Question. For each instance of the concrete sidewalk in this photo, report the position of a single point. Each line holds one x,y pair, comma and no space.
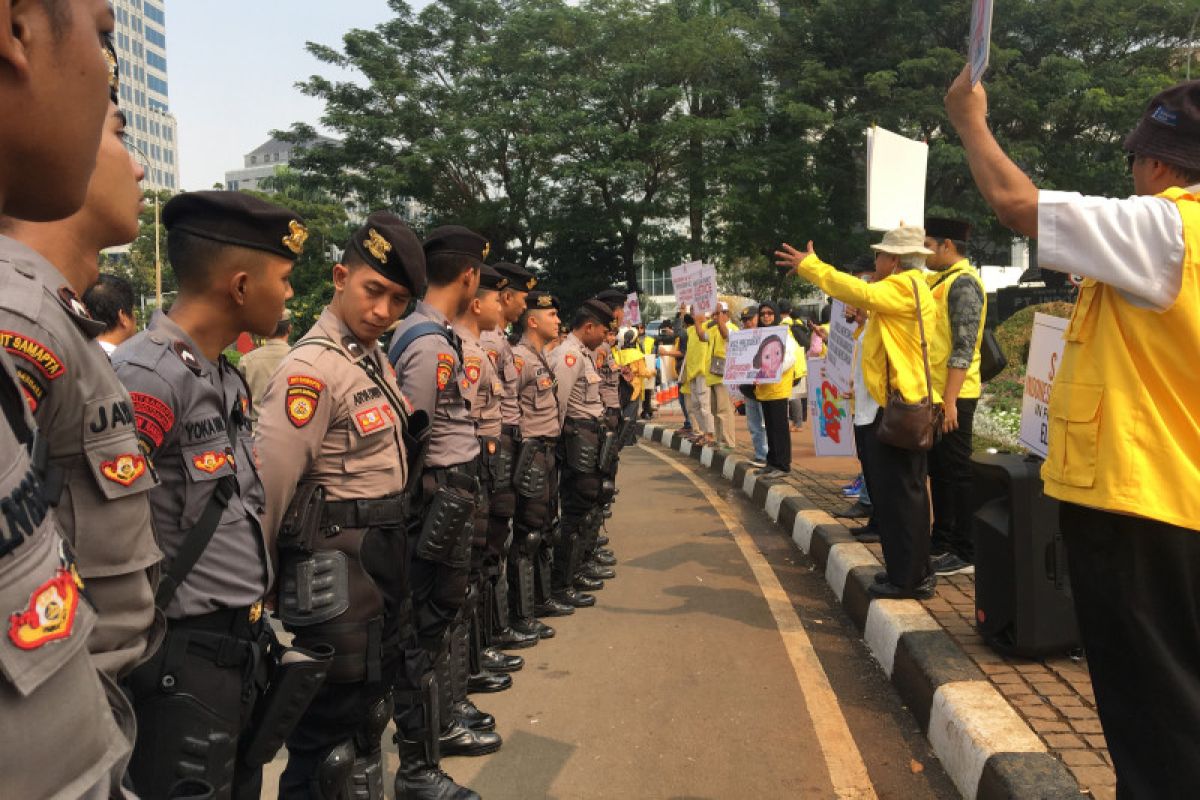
1050,701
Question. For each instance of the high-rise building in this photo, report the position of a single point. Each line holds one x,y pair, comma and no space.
141,39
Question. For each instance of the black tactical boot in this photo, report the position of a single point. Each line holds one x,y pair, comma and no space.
509,639
488,682
555,608
494,660
604,558
586,584
467,713
575,598
459,740
420,777
593,570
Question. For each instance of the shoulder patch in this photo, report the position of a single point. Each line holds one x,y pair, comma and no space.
71,301
570,359
471,366
303,394
445,368
494,356
371,419
124,469
50,615
519,363
600,359
23,347
187,356
210,461
154,418
33,386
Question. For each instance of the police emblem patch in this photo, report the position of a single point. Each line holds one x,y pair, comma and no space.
491,448
471,366
255,613
154,418
369,420
47,362
297,236
570,359
519,363
303,395
210,461
378,246
545,383
445,368
124,469
494,356
50,615
600,360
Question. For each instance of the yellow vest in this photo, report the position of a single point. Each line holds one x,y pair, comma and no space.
782,389
1125,408
893,335
940,335
647,345
716,349
696,359
631,357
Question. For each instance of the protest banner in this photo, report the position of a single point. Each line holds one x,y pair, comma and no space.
980,50
895,180
839,353
755,355
829,410
696,285
1045,355
633,310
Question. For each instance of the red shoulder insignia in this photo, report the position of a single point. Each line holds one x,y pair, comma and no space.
300,401
445,368
50,615
47,362
369,420
210,461
570,359
471,366
519,363
600,360
124,469
154,417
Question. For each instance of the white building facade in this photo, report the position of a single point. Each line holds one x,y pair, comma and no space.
141,41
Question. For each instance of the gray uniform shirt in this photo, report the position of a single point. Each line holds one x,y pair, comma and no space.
480,385
87,417
501,353
430,372
610,376
578,381
185,406
536,392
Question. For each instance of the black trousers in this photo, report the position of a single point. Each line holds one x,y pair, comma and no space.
897,481
646,405
860,434
950,486
779,436
1136,584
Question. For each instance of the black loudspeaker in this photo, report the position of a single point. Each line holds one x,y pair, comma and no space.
1023,600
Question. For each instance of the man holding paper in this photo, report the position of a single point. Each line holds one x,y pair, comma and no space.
1124,450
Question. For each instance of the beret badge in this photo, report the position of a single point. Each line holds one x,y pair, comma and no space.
545,301
297,236
377,246
487,248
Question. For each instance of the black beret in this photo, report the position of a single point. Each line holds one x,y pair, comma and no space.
943,228
114,68
519,278
490,279
599,311
457,240
387,245
615,298
538,300
239,219
1170,127
749,311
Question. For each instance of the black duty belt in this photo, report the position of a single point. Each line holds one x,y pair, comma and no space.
365,512
469,469
585,424
511,431
242,622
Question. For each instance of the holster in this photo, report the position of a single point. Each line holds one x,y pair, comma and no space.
530,472
582,449
300,523
445,536
610,446
416,445
296,676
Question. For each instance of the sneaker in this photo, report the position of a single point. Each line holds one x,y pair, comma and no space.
950,564
853,489
772,474
856,511
757,462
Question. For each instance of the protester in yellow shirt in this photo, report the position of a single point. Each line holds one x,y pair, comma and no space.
719,328
892,360
773,397
635,373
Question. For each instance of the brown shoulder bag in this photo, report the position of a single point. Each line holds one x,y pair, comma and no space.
911,426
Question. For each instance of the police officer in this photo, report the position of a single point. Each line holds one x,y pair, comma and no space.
503,498
100,478
427,356
58,736
583,432
331,437
535,474
232,254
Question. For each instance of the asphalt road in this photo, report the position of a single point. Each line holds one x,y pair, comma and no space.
716,666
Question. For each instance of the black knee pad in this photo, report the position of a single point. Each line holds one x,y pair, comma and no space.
332,778
177,736
502,502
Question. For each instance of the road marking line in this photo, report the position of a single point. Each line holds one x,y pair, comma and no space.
847,772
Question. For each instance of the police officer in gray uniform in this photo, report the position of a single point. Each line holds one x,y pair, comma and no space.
536,470
334,436
427,356
583,433
58,738
232,254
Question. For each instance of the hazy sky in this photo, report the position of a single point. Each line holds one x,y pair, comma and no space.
232,66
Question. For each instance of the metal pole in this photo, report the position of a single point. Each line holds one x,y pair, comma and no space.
157,257
1192,41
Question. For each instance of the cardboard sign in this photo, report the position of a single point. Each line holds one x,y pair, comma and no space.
696,285
981,38
755,355
1045,356
895,180
839,352
633,310
829,413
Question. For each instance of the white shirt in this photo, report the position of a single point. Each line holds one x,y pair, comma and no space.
1133,244
865,407
108,347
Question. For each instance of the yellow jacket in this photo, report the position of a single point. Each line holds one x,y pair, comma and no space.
893,335
940,339
635,359
716,349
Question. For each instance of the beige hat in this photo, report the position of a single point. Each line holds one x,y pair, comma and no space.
907,240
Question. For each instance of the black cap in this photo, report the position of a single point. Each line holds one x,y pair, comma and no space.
749,311
600,312
114,68
491,280
615,298
519,278
239,219
944,228
387,245
537,300
457,240
1170,127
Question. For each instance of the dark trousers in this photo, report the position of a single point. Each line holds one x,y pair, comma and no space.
860,435
779,436
1136,584
646,405
898,492
950,486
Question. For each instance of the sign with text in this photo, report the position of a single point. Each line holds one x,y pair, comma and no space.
829,412
696,285
633,310
1045,357
980,49
839,352
755,355
895,180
